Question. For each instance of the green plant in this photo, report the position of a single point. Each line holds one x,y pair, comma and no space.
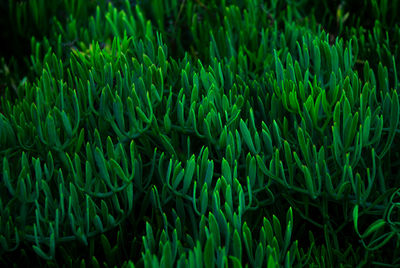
180,133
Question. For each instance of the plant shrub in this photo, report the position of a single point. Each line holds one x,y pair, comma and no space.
163,133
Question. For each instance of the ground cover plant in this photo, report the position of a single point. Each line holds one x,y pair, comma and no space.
192,133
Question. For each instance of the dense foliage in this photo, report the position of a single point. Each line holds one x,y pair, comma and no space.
162,133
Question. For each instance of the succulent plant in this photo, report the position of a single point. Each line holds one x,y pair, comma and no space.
165,133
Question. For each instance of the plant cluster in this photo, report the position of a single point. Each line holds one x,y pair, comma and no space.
163,133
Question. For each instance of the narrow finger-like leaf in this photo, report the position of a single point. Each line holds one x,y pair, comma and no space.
247,136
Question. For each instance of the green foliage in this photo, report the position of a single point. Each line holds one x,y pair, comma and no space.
163,133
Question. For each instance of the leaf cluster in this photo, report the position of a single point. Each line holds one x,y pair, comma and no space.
166,133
